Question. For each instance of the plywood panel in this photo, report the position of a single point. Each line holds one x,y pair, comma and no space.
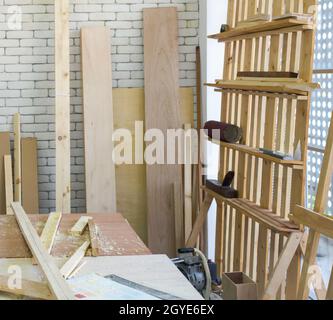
98,119
4,150
128,107
162,112
30,197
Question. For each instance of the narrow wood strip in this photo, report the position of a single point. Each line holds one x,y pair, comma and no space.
80,226
4,150
17,158
8,183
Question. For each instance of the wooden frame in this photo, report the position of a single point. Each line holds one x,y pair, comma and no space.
276,120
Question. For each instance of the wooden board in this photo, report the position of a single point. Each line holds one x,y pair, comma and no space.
116,237
162,112
154,271
9,183
98,119
129,107
62,109
30,196
4,150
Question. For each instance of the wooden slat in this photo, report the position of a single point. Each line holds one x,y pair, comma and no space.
9,183
329,295
161,94
50,230
179,216
4,150
56,282
188,146
98,120
30,196
17,158
80,225
62,109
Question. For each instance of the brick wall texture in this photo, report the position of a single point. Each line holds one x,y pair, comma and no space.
27,71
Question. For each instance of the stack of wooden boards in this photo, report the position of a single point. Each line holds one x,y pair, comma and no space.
18,173
150,196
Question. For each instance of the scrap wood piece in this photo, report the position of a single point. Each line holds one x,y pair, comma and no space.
281,268
162,111
98,119
93,238
74,260
17,157
30,196
8,183
56,282
62,108
80,225
50,230
179,215
30,289
4,150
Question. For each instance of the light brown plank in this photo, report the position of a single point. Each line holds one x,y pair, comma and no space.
4,150
98,119
17,158
9,183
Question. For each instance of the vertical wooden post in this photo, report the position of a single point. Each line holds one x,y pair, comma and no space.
9,184
17,158
62,109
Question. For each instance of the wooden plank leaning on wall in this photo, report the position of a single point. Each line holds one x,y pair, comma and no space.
30,196
62,109
162,111
4,150
98,119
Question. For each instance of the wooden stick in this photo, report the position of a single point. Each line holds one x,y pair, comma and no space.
80,225
329,295
281,268
50,230
74,260
8,183
179,215
187,182
17,158
200,221
31,289
56,282
62,111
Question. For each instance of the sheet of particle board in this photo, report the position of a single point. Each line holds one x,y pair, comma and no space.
153,271
129,107
98,119
115,236
4,150
30,196
162,109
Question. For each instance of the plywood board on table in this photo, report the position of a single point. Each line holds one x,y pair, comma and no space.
115,236
162,111
129,107
98,119
4,150
30,196
154,271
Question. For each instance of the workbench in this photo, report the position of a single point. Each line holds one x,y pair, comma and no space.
121,252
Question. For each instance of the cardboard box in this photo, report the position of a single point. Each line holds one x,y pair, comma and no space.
238,286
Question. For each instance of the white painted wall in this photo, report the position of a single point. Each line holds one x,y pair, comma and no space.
212,14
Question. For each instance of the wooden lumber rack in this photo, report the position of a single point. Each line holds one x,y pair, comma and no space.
253,233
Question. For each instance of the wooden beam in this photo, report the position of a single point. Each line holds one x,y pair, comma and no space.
329,295
62,110
281,268
98,126
318,222
4,150
74,260
187,181
80,225
17,158
179,215
200,221
30,289
56,282
9,183
30,195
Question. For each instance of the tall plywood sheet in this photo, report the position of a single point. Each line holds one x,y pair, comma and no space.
30,197
129,107
162,112
4,150
98,120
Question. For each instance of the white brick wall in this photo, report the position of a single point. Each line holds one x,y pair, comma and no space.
27,72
